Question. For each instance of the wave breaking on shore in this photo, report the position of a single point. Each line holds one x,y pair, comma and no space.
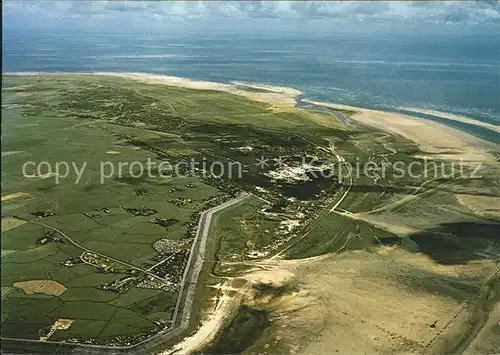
437,140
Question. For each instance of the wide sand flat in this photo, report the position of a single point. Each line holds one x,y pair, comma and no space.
488,339
358,302
273,88
451,116
276,95
438,141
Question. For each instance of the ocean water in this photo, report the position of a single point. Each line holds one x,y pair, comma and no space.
458,74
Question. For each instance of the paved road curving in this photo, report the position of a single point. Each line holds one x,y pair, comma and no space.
183,308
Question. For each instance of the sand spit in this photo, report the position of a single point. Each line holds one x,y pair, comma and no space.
226,307
451,116
278,89
438,141
275,95
214,321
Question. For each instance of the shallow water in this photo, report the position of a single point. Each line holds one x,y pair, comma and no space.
445,73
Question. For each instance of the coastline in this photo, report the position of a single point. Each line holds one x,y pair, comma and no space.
452,116
274,95
437,140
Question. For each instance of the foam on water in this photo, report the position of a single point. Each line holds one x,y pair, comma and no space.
439,73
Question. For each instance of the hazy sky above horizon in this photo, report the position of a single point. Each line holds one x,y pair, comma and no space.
273,16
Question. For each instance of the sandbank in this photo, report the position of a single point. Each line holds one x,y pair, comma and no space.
276,95
435,140
454,117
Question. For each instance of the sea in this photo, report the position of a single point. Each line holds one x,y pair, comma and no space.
449,73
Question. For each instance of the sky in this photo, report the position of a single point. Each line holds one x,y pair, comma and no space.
245,15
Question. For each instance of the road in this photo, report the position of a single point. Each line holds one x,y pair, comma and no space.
413,197
340,160
195,262
79,246
185,299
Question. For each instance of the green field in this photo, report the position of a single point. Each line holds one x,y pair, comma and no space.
102,238
88,120
51,134
336,233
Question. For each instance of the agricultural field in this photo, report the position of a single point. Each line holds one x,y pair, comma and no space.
99,252
96,250
78,250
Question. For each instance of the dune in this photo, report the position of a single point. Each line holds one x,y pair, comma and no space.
276,95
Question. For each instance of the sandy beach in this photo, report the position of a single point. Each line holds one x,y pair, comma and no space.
451,116
225,306
275,95
345,300
438,141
